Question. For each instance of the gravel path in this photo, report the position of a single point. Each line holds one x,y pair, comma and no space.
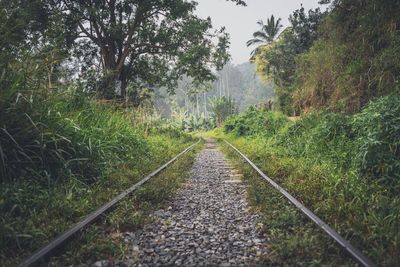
206,223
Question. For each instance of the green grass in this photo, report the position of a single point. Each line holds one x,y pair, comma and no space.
294,238
53,210
62,156
105,240
342,167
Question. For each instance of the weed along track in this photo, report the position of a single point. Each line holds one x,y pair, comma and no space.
49,248
207,222
357,255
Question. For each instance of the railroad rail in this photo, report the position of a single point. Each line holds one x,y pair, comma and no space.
50,247
354,252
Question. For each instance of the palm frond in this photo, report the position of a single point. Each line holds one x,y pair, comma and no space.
254,41
260,35
266,35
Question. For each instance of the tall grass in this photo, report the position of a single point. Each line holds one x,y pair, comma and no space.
59,155
343,167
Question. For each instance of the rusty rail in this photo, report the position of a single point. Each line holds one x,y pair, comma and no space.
50,247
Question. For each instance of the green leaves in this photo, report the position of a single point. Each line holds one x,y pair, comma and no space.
266,35
378,136
132,37
222,108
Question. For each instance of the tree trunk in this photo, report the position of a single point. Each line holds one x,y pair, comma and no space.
197,105
205,105
227,84
220,86
123,77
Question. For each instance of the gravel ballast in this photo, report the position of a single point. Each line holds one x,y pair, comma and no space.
206,223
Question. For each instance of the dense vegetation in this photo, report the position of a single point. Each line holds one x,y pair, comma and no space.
344,167
193,104
75,125
341,58
64,155
339,70
79,81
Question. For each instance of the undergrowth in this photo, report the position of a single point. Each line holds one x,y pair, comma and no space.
63,155
345,168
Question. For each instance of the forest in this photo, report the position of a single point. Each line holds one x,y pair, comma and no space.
94,95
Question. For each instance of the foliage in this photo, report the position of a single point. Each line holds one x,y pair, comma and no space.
352,64
277,61
340,59
142,43
239,82
266,35
58,153
222,108
377,128
342,167
47,141
20,23
255,122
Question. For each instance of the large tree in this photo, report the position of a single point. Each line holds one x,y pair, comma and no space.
136,41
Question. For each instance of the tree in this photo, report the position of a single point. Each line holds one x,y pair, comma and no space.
20,23
277,62
356,58
222,108
136,41
267,34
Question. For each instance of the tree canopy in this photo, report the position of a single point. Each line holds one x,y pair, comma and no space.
277,62
341,58
130,44
152,42
266,35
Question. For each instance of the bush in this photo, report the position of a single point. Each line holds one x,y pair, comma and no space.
255,122
62,155
52,137
377,128
343,167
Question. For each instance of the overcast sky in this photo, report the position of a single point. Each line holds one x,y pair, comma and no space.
241,22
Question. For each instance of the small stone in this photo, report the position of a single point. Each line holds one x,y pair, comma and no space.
102,263
149,250
207,223
129,262
256,240
159,213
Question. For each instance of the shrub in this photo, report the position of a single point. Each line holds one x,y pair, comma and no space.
256,122
377,128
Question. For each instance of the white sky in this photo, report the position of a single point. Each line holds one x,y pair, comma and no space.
241,22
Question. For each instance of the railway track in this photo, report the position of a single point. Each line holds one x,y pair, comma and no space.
216,162
68,234
356,254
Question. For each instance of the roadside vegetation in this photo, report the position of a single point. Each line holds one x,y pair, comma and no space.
76,130
64,155
337,72
343,167
79,121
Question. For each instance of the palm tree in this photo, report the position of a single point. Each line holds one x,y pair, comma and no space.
266,35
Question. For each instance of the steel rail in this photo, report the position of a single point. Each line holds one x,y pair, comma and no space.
46,249
354,252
